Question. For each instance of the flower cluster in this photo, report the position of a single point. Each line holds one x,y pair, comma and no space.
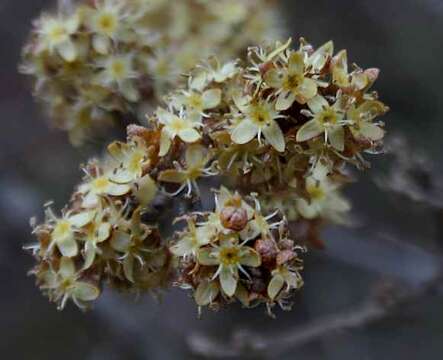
283,125
100,237
108,58
279,129
236,253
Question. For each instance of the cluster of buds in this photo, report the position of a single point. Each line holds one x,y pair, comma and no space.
106,60
236,253
281,127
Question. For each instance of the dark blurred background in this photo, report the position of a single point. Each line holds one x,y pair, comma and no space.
396,239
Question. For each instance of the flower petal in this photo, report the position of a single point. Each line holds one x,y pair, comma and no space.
250,257
317,104
206,257
318,59
195,155
129,91
189,135
206,292
274,136
145,191
211,98
85,292
103,232
183,247
81,219
89,254
165,143
309,130
285,100
371,131
120,241
244,132
66,268
228,282
117,189
275,285
296,64
307,89
273,78
172,176
68,246
337,137
128,267
67,50
101,44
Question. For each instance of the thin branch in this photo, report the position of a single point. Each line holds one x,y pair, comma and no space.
246,344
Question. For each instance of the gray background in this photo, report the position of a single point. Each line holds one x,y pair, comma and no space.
402,37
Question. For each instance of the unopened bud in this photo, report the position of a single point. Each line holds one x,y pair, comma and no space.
234,218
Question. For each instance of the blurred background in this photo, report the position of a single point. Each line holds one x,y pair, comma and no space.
391,255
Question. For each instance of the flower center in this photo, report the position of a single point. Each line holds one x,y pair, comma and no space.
177,124
107,23
135,162
100,184
260,115
229,256
328,117
118,70
62,229
57,33
195,101
316,192
292,82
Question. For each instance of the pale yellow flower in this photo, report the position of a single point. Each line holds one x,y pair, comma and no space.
327,120
324,200
258,117
65,231
105,21
183,125
196,159
362,116
64,284
56,35
193,239
117,71
230,256
96,232
281,276
100,185
291,82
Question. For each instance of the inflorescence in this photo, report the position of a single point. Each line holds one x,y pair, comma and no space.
278,129
106,60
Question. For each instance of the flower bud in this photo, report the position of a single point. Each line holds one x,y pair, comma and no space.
234,218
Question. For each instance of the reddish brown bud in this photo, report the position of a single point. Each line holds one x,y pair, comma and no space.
234,218
286,244
267,250
285,256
